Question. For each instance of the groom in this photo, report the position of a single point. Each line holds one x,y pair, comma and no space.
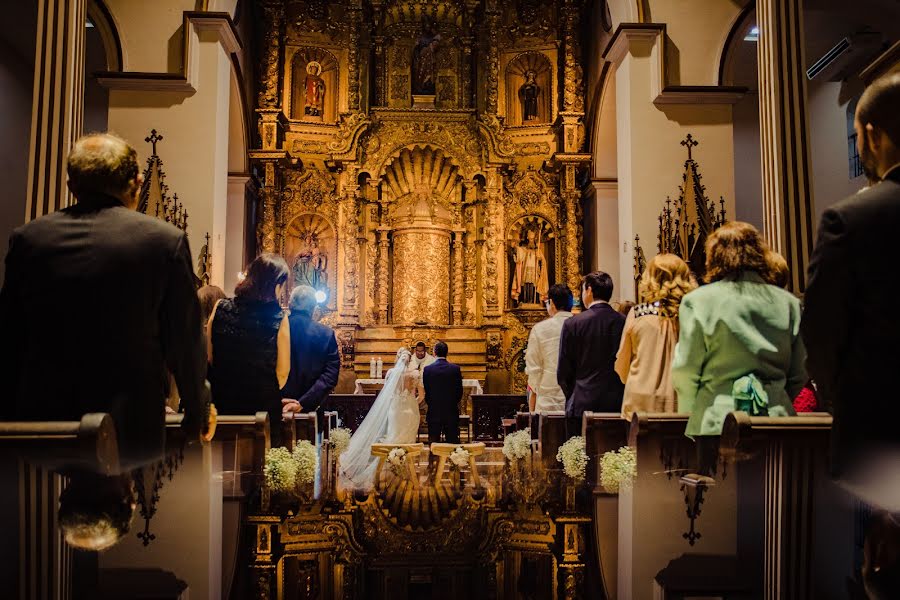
443,391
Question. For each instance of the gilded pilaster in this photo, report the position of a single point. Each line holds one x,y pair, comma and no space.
380,71
269,72
784,135
572,202
492,63
351,245
354,15
267,222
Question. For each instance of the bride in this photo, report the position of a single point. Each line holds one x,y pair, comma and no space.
393,419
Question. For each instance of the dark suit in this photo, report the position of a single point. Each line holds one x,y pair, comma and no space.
443,391
315,362
98,300
587,354
850,324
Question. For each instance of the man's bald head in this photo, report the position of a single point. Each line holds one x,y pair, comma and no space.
101,163
877,126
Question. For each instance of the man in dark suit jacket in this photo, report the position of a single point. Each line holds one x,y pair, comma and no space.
315,362
443,391
98,302
587,354
850,324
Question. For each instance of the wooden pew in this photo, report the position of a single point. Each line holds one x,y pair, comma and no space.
488,412
603,432
299,426
232,428
351,409
90,443
551,432
779,461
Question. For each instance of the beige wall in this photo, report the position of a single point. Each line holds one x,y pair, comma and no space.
696,30
650,155
828,143
150,33
195,128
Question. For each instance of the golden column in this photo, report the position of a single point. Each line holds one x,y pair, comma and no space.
382,272
784,135
457,259
57,102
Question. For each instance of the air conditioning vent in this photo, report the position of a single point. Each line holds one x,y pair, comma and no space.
848,57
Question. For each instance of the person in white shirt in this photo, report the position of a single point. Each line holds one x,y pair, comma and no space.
420,358
542,354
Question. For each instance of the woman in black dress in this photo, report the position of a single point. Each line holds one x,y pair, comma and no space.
249,344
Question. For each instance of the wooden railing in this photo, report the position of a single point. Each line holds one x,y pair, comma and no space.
351,409
90,443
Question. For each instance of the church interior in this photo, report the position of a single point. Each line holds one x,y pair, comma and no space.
430,168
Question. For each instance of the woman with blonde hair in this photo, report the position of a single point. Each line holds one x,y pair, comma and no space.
644,361
739,346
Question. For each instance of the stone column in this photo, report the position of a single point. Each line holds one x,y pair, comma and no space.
58,102
784,135
457,258
382,273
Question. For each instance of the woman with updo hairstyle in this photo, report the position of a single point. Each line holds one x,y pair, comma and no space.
739,346
644,361
249,344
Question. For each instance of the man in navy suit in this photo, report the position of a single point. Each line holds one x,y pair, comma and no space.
315,362
587,354
443,391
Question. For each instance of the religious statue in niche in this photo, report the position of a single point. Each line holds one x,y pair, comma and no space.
315,91
528,95
311,266
530,280
423,60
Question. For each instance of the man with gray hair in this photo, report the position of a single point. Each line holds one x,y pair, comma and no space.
98,301
315,362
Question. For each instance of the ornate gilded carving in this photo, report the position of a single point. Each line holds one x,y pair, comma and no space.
421,265
271,26
492,64
399,86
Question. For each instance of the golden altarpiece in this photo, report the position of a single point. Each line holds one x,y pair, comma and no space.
420,164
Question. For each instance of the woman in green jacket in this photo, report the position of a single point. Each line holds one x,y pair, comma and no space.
739,346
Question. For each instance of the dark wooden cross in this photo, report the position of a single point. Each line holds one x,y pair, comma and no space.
153,138
689,142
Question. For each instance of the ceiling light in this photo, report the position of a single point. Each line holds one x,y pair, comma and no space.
752,35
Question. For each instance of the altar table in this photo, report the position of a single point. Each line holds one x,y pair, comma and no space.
470,386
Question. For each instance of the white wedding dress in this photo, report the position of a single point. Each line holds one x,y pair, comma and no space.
393,419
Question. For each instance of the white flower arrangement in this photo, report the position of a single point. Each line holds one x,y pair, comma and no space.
396,460
339,438
280,470
574,458
305,460
618,468
517,445
459,458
